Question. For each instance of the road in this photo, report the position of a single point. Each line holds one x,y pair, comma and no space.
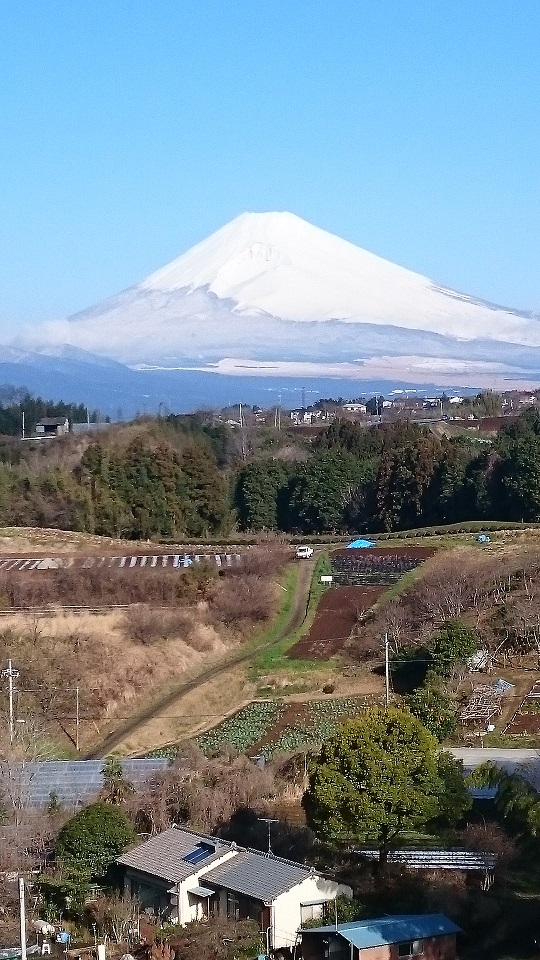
295,620
511,759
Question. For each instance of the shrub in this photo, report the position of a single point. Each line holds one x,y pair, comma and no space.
247,598
146,626
92,839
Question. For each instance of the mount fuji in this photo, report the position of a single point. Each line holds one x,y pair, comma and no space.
270,294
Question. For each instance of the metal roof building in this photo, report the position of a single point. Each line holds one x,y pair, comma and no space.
383,931
466,860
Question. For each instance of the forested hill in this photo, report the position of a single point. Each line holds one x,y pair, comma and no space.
189,476
395,477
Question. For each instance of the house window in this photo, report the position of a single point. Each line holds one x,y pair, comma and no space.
233,907
412,948
311,911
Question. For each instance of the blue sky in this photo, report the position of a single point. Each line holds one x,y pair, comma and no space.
132,129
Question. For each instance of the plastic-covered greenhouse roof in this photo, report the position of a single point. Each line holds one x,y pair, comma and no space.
72,782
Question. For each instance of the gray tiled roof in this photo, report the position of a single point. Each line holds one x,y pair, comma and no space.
163,855
257,875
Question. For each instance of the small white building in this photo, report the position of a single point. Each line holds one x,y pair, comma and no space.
186,876
354,407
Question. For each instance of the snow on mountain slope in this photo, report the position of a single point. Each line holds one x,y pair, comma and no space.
276,263
270,291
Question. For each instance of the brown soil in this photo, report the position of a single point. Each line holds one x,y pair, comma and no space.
339,610
294,716
524,723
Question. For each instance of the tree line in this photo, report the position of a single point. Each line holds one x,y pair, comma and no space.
14,403
186,477
395,477
146,488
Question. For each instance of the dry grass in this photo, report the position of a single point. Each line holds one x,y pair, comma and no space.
113,671
192,713
122,660
22,541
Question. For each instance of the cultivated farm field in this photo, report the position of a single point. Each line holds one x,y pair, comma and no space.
268,728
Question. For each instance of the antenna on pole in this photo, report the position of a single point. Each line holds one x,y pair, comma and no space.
386,670
269,823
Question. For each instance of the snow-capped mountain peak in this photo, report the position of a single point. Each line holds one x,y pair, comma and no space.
270,291
278,264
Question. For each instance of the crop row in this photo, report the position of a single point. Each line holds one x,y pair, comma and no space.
255,722
322,720
245,728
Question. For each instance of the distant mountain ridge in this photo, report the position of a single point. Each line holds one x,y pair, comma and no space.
270,293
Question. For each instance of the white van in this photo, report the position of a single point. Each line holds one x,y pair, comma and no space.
304,552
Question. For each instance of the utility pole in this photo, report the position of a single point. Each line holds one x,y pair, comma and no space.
77,719
22,913
242,437
386,670
23,433
12,675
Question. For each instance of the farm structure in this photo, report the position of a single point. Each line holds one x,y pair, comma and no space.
431,936
484,703
526,720
377,566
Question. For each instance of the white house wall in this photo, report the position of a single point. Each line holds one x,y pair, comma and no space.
286,914
186,911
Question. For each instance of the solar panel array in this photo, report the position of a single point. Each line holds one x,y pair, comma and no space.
73,782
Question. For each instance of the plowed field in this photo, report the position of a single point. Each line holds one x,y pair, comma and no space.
338,611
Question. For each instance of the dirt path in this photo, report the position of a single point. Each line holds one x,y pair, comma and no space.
297,617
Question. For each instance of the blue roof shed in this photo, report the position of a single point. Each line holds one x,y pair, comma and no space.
382,931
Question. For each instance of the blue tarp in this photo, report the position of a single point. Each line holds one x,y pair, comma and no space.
360,544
